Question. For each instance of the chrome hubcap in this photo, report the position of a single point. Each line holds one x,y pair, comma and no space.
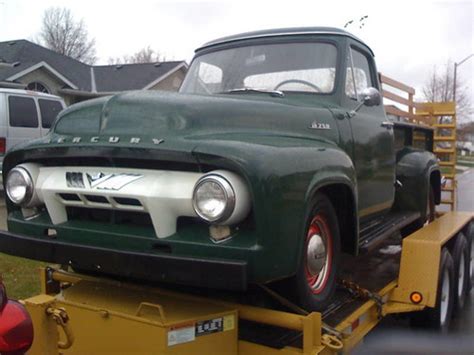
316,254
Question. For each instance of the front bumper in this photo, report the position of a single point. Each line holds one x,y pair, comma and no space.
211,273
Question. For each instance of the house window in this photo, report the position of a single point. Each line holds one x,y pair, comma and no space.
37,86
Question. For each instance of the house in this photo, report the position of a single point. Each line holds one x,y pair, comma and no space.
24,64
465,143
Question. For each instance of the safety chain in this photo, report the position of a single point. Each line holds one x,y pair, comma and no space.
362,293
332,337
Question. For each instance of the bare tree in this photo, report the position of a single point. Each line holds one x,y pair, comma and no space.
61,33
145,55
439,87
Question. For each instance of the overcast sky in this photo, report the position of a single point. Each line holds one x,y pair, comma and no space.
408,37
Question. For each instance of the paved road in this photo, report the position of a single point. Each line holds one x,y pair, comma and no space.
466,191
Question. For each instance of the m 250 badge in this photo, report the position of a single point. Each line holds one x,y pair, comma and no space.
318,125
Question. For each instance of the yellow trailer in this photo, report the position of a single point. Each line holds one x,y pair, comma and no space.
77,314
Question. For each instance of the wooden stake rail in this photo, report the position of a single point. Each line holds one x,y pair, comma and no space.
439,115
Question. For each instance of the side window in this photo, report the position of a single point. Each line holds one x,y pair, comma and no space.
49,110
22,112
210,74
358,75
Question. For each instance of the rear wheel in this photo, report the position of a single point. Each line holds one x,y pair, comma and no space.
430,215
315,281
430,207
461,256
439,317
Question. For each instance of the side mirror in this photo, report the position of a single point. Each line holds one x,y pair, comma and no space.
371,97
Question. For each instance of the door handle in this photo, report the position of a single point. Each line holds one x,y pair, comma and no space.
387,124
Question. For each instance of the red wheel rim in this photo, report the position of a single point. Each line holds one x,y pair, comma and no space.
317,281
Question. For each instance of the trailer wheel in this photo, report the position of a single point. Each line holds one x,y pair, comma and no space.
315,281
461,259
469,233
440,316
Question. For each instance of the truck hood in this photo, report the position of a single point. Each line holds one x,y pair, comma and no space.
179,128
170,116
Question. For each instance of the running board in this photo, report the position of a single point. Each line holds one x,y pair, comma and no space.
375,232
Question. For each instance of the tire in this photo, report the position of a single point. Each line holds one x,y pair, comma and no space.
461,256
314,289
430,215
469,233
439,317
431,207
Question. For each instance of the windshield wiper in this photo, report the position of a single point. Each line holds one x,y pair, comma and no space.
274,93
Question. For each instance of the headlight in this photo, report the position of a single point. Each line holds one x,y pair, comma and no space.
213,198
19,186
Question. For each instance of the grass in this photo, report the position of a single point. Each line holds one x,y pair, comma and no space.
466,160
21,276
469,158
468,163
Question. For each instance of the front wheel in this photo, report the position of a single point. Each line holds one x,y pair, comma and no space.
315,281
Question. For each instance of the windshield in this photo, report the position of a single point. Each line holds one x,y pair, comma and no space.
287,67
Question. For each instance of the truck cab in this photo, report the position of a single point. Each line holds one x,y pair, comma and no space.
320,67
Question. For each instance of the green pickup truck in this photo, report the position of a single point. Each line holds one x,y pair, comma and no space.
274,159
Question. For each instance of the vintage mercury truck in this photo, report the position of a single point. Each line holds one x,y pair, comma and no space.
275,157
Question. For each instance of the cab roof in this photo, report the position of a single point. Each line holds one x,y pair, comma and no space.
293,31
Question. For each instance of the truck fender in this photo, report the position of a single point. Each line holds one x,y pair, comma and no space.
339,184
416,171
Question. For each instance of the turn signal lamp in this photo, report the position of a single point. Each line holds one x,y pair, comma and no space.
416,297
16,327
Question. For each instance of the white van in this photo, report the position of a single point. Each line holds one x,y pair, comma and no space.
25,115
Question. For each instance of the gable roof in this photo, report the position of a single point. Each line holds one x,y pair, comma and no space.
76,75
132,76
28,54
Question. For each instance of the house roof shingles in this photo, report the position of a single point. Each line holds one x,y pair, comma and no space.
130,76
108,78
29,54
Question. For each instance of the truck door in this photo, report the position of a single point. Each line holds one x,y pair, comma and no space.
373,149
